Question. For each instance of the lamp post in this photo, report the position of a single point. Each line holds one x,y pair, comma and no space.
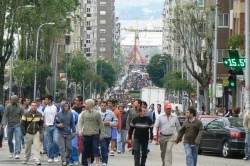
37,37
101,74
12,51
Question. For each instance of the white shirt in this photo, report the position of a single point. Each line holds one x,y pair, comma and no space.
49,114
166,125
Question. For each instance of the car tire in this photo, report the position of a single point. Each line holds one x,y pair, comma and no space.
226,150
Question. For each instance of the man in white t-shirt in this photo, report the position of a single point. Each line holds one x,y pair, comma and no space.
50,132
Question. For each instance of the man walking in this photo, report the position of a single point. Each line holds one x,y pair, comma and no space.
31,127
193,130
109,121
168,124
50,131
91,127
121,139
66,131
143,127
12,117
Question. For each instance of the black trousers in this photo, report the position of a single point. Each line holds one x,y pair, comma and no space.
84,158
140,146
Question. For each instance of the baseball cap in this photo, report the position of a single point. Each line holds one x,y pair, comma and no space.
168,105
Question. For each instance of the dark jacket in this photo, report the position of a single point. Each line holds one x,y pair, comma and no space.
13,113
65,117
31,123
124,117
193,131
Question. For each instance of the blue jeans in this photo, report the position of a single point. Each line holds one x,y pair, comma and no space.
191,154
121,140
18,134
51,138
74,156
104,149
248,144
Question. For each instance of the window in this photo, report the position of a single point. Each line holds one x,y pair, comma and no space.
222,53
223,20
88,49
88,10
102,3
217,124
102,49
102,12
102,21
88,41
88,23
102,30
88,36
102,39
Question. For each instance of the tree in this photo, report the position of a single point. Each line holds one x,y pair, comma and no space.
237,42
23,72
193,29
158,66
173,82
107,72
26,22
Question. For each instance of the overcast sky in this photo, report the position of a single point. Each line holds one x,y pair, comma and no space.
129,10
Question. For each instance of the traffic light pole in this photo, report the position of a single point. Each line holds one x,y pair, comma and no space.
247,71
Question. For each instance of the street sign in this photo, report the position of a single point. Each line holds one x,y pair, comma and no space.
234,62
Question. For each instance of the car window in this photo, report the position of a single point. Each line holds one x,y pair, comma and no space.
236,122
216,124
205,121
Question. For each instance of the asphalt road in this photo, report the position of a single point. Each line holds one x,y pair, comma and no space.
126,159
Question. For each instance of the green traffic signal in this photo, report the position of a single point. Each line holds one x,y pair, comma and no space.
231,84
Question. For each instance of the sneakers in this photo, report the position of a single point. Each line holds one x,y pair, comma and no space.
25,161
50,160
70,164
56,159
104,164
38,163
119,152
112,153
76,162
11,155
16,156
64,163
245,158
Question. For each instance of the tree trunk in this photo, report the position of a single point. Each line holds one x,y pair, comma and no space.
207,101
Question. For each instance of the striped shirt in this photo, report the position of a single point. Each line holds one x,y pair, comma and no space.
143,127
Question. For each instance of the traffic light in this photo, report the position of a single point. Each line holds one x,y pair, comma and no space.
232,79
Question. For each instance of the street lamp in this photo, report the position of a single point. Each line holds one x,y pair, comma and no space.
101,74
12,51
37,37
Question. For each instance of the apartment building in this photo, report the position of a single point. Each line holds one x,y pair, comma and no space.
105,28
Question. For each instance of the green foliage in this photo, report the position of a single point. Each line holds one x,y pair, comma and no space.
236,41
173,81
78,65
157,67
23,72
107,71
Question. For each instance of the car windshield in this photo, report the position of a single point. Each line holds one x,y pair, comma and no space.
236,122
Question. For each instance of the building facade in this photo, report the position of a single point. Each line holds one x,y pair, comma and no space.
105,28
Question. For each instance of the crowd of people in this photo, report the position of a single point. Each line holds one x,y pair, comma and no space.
95,129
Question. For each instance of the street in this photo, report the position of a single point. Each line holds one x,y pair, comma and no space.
126,159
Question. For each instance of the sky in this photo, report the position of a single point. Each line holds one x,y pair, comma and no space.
129,10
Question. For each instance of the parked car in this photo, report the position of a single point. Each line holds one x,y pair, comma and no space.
223,135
